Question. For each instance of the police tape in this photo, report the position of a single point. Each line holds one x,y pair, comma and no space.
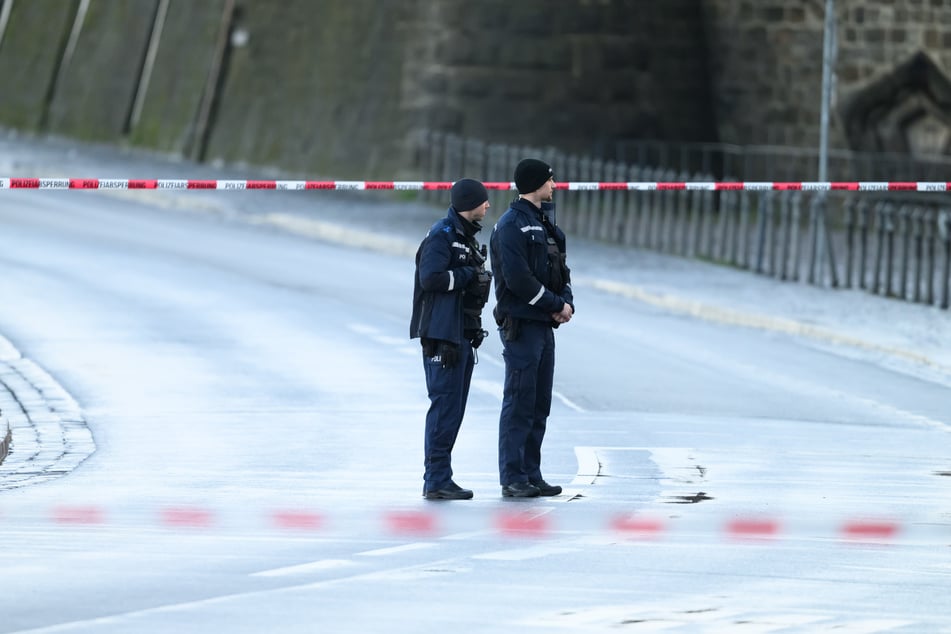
302,185
444,519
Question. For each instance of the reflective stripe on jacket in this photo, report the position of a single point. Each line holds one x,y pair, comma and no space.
521,265
443,270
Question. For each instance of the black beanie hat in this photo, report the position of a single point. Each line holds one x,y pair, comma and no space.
530,174
467,194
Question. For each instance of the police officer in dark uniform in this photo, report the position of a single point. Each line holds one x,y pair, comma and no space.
451,289
533,293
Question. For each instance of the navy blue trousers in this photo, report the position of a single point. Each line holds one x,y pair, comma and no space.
448,392
526,402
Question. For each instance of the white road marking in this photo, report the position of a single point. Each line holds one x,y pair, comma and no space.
677,464
567,402
314,566
589,467
521,554
187,606
470,535
379,552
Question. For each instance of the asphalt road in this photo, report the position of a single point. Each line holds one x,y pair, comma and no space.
257,409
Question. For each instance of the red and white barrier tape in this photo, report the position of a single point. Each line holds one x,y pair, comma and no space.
297,185
444,519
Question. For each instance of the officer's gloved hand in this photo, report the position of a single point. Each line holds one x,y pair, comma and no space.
479,278
466,275
481,284
448,354
477,340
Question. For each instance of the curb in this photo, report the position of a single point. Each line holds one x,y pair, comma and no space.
337,233
720,315
332,232
5,444
47,435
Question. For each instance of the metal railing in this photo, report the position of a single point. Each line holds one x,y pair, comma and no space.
781,163
894,244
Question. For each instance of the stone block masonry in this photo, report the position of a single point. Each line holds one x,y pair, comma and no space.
767,71
341,88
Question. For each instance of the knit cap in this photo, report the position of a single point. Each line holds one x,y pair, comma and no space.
530,174
467,194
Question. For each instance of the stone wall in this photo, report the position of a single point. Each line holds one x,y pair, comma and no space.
98,79
340,87
891,73
314,87
178,88
578,74
30,54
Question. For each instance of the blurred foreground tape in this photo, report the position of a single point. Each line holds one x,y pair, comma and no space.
298,519
753,528
186,517
870,530
433,521
410,523
78,515
638,527
522,524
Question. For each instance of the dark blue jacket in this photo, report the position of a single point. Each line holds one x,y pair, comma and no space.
532,279
445,266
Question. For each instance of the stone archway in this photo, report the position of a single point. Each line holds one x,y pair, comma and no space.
908,111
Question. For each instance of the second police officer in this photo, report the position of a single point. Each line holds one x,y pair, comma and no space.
451,288
533,293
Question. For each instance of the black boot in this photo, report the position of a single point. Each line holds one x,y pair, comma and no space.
451,491
519,490
546,489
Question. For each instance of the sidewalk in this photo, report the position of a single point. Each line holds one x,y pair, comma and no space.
901,335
